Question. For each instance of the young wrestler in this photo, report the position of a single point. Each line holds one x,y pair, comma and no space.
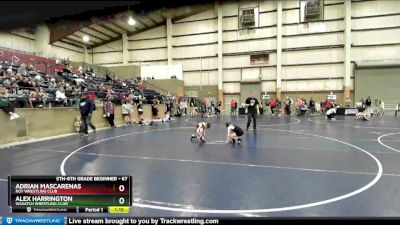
365,115
234,133
201,131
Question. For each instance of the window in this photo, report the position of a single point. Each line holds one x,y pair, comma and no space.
248,18
311,10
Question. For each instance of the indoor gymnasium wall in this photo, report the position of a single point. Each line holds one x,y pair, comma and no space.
27,42
313,53
109,54
19,41
149,47
195,45
375,30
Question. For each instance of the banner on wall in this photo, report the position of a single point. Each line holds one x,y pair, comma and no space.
331,97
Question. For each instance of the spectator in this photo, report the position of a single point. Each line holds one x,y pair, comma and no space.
233,106
272,105
108,78
60,96
33,97
312,105
86,107
288,104
140,110
368,102
109,112
381,108
130,110
43,97
328,104
331,113
6,105
126,112
154,109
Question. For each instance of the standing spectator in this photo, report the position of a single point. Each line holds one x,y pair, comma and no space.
328,104
185,105
108,78
368,102
154,109
86,107
6,105
312,105
130,110
140,110
252,110
233,106
272,105
125,112
397,109
109,112
381,108
362,102
192,107
288,104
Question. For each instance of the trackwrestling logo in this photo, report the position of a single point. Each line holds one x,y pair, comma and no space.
33,220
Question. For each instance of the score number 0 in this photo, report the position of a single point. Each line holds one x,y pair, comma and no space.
121,200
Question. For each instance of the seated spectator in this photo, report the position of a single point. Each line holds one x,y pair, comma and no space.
22,99
33,97
22,70
43,97
6,105
60,96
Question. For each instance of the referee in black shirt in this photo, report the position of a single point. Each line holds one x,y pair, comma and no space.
252,110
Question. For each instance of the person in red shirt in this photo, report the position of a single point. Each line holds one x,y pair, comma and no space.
233,106
272,104
141,86
327,105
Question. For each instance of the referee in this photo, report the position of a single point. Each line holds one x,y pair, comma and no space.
252,110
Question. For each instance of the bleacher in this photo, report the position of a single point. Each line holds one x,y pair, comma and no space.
72,83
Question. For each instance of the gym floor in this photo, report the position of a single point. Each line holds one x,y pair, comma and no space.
292,166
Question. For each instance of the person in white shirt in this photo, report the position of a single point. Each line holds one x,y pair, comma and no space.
60,96
382,108
126,112
331,113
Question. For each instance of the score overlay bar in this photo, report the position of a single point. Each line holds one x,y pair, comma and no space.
68,191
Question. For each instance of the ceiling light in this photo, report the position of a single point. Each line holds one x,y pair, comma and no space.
131,21
85,38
